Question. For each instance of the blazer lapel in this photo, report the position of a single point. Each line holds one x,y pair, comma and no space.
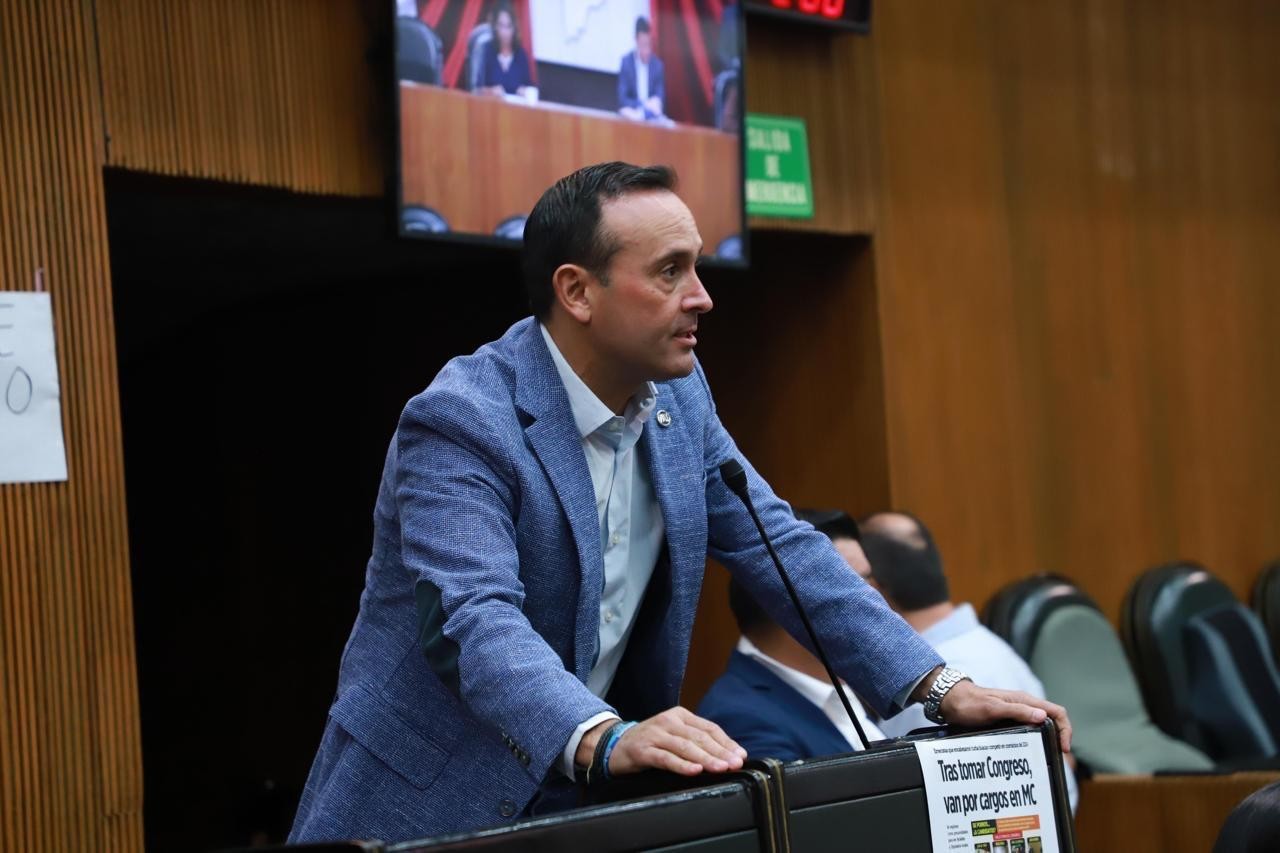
677,475
555,440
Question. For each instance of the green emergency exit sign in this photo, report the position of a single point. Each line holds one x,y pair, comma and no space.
778,179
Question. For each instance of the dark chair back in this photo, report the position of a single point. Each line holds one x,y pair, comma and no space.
416,219
730,248
1235,689
511,228
1266,601
1153,620
419,52
480,36
726,96
1017,612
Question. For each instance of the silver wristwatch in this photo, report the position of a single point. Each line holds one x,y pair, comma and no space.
942,685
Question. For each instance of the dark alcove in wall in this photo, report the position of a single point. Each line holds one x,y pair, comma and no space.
267,343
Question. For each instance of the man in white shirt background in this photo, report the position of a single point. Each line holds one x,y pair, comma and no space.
904,564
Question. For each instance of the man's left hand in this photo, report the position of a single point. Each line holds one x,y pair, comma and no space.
967,704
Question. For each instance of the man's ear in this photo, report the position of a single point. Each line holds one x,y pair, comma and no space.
569,282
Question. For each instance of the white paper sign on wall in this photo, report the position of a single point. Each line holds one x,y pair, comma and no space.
31,446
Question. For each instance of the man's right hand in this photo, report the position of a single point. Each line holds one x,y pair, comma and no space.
676,740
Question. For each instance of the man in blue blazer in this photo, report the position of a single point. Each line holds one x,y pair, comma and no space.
768,716
774,698
642,86
545,511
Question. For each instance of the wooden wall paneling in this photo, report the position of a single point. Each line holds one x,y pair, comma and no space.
276,93
1077,290
70,768
792,353
931,226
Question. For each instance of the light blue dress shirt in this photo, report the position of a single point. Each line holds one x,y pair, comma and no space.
631,526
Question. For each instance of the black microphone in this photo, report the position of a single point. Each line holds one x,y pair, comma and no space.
736,479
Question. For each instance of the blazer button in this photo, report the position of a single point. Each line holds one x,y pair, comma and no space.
507,808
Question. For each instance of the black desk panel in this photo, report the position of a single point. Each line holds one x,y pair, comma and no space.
887,823
866,802
716,819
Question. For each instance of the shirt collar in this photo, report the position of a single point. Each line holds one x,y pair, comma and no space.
817,692
962,620
589,413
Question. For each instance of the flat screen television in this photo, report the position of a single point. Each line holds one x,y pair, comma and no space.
497,99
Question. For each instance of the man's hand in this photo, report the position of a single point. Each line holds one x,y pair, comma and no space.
967,704
675,740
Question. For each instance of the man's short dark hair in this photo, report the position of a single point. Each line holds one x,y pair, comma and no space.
1254,824
564,226
907,567
642,25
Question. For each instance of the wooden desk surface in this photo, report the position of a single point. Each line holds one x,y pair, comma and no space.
1160,814
478,160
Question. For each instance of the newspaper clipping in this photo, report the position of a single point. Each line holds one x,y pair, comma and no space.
989,794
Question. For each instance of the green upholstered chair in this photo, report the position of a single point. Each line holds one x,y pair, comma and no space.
1076,654
1079,659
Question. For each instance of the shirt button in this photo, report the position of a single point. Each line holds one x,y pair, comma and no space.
608,615
507,808
615,539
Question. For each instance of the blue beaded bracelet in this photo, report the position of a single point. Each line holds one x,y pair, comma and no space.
614,736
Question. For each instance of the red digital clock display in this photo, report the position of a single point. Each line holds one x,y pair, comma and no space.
854,14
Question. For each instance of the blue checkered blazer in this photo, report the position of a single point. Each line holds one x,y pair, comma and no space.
464,675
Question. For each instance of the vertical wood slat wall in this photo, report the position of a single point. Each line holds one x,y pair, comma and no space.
70,763
268,92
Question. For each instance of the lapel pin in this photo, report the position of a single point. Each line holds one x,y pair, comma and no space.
664,418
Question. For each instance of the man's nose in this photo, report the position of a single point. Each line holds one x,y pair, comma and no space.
698,300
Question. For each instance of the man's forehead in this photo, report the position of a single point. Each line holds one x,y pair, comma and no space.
654,220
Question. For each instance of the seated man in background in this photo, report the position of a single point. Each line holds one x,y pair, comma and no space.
774,697
906,568
642,89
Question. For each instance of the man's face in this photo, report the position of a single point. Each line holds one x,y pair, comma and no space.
643,321
644,46
855,557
